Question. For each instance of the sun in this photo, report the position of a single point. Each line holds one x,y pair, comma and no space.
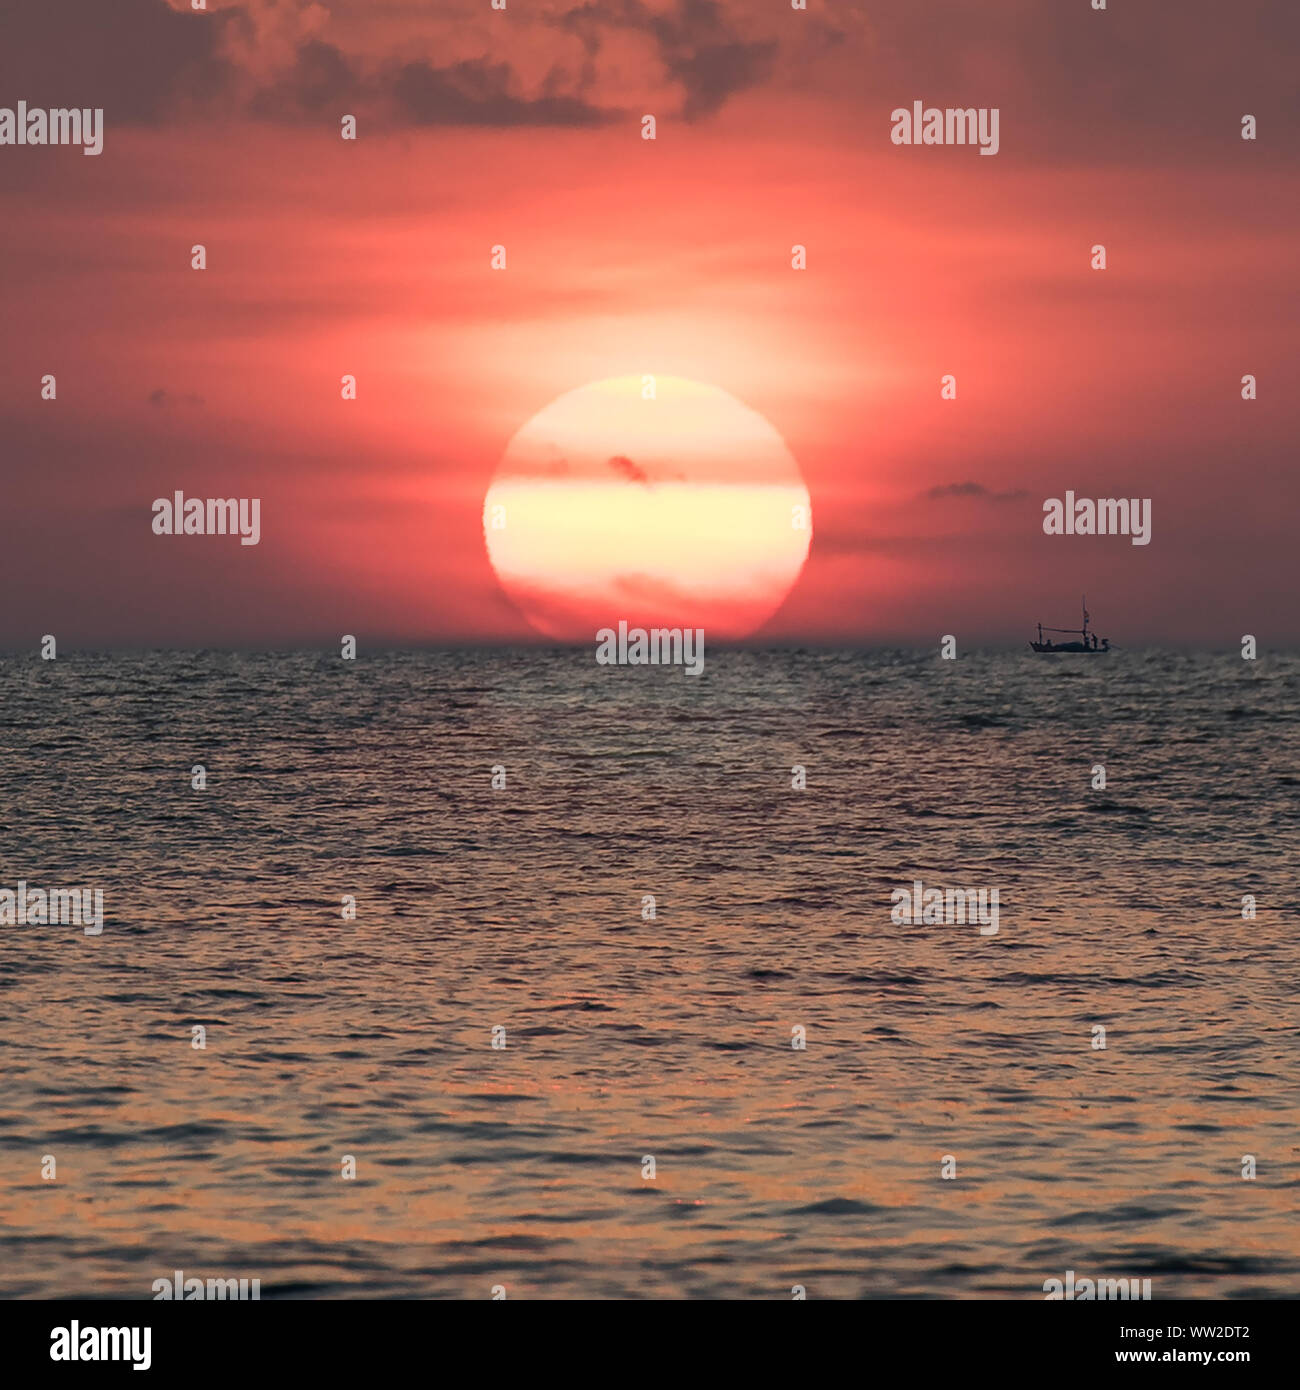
658,501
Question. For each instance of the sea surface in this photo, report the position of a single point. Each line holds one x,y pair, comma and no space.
627,1037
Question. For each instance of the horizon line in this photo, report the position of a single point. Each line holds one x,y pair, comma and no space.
389,647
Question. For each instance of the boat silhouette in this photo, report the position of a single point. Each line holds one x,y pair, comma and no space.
1087,647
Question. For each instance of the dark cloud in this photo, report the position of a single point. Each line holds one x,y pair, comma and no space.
477,92
323,78
715,72
832,540
145,63
629,470
973,490
1125,85
699,46
137,59
162,397
701,50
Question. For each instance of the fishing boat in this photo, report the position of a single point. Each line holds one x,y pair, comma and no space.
1088,646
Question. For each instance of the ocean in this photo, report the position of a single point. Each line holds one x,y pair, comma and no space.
520,914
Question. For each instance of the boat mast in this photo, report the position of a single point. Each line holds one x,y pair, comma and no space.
1082,631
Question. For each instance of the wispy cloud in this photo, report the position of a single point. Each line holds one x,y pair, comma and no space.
970,489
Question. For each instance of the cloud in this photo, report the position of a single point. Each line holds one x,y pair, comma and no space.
162,397
973,490
629,470
1119,86
710,59
698,46
828,541
146,63
137,59
477,92
321,78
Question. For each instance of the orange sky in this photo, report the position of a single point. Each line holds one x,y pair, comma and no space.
669,257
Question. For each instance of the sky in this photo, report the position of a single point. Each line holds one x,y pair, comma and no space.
627,257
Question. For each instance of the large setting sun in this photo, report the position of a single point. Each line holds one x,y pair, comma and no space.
658,501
